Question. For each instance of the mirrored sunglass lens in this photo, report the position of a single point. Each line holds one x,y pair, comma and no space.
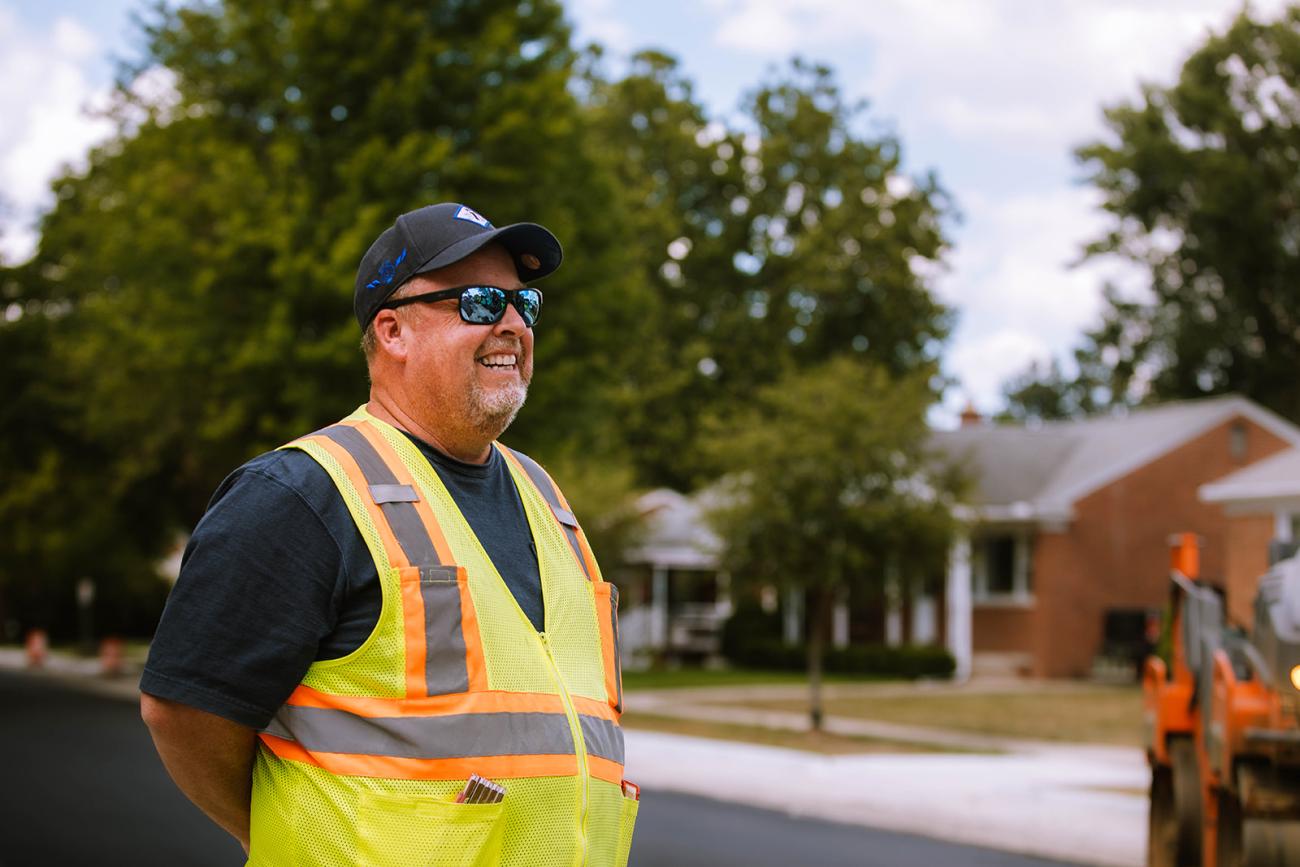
482,305
529,305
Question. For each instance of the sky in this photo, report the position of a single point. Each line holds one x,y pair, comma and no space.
991,95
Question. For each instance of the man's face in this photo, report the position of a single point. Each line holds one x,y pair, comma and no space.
473,376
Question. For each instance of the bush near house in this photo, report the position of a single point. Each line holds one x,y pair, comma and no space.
751,638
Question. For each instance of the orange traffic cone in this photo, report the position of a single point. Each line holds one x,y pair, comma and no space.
110,657
37,646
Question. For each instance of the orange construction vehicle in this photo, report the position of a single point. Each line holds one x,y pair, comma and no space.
1223,738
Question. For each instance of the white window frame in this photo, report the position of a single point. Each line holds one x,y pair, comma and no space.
1022,569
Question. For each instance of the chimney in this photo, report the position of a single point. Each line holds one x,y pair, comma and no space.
970,416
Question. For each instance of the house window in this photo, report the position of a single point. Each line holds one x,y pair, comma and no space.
1001,567
1237,442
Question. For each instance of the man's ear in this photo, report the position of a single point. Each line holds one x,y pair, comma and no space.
390,334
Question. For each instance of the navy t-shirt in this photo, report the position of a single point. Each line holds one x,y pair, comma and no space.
277,576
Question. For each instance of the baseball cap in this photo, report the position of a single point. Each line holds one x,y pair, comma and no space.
436,236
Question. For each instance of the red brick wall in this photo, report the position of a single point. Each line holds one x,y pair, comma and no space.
1246,558
1115,552
1002,629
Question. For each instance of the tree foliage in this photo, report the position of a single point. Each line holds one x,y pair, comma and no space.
828,481
773,244
189,302
1203,181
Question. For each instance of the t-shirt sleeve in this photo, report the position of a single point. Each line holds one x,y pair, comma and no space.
259,588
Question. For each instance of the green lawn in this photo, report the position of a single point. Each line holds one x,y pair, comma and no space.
698,677
1079,713
815,742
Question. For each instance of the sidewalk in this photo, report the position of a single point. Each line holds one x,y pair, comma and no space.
1069,802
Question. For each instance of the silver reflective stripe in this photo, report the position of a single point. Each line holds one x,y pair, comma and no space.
393,494
618,654
567,521
446,669
324,730
276,728
405,522
604,738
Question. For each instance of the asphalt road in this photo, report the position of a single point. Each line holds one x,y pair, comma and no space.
80,785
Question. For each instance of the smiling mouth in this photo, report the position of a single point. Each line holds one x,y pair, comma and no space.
500,361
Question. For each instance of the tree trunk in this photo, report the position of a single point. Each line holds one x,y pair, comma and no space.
819,624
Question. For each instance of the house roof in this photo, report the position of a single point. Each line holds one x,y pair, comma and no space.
1268,484
677,533
1038,473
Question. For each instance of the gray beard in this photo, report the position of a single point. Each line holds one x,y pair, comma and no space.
492,412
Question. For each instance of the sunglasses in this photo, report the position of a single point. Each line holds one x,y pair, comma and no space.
481,305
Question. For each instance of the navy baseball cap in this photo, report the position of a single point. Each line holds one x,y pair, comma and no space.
435,236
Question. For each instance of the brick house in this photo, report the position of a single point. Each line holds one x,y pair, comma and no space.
1066,530
1262,506
1068,525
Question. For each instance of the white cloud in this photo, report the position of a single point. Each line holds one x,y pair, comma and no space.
596,21
1020,85
46,126
988,362
1015,280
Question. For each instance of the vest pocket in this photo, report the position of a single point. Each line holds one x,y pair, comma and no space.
607,616
401,830
626,823
447,634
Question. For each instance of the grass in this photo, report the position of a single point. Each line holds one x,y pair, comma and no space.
1078,714
823,743
683,678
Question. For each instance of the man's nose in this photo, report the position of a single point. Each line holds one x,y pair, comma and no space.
511,322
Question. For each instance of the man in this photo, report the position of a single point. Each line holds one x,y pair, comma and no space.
375,613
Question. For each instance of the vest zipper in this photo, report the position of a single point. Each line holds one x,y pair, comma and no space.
580,746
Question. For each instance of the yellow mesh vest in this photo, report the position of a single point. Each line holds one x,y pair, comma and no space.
362,764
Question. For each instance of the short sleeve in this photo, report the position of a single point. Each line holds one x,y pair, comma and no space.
260,585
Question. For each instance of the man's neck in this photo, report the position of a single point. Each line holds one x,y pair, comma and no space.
471,449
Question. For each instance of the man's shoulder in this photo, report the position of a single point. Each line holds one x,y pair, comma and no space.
283,472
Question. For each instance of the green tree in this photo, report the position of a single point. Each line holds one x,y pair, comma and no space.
773,244
827,481
1043,392
1203,181
189,304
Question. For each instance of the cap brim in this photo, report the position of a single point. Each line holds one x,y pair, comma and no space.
522,240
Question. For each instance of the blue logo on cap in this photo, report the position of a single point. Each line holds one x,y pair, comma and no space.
387,271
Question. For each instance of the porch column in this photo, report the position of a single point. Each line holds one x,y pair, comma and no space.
1282,526
659,608
792,622
923,619
840,620
958,606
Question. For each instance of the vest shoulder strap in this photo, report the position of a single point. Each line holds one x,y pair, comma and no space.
564,516
386,489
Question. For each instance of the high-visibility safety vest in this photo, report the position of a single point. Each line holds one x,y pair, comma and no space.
363,763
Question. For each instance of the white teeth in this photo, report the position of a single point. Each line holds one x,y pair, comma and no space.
500,360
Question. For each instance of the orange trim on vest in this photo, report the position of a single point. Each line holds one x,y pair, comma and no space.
404,477
413,613
396,556
608,650
593,707
604,769
475,658
396,768
488,701
417,683
592,569
586,561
